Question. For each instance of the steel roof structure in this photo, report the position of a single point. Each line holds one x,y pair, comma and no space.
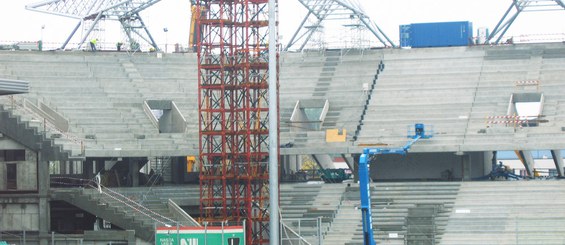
322,10
91,12
516,8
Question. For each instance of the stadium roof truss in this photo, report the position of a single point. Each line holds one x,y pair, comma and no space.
321,10
124,11
517,7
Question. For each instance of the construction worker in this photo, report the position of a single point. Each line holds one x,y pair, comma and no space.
93,44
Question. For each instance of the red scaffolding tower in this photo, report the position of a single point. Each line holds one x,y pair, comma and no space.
233,106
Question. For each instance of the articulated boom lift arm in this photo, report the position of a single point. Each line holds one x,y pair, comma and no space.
364,178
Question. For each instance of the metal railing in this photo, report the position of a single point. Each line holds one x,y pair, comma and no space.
108,195
292,232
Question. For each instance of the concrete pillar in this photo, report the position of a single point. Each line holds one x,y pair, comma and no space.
489,161
354,167
558,160
528,161
88,168
324,160
43,189
348,160
99,164
63,167
466,166
134,171
292,164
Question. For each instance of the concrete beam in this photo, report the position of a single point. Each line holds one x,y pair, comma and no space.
558,160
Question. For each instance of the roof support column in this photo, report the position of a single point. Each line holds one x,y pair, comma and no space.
558,160
527,160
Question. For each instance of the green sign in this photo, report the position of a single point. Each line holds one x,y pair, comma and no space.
211,235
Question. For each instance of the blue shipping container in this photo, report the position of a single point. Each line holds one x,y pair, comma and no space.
405,36
442,34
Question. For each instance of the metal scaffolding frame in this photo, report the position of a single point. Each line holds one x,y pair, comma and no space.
322,10
233,94
91,12
515,9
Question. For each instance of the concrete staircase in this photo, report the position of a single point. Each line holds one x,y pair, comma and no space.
119,210
29,134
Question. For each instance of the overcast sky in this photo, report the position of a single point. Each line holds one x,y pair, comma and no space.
18,24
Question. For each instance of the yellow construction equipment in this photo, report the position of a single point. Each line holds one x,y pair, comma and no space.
196,12
190,161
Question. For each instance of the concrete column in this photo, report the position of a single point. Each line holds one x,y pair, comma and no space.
489,161
88,168
284,165
134,171
466,167
292,163
354,166
558,160
298,162
99,164
350,161
63,166
528,161
324,160
43,189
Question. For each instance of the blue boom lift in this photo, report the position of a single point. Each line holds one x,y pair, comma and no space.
364,179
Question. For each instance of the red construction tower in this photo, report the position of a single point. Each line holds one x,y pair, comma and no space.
233,95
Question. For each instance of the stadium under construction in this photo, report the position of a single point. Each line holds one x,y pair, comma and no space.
131,147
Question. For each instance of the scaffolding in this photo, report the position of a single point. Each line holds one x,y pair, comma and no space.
91,13
232,48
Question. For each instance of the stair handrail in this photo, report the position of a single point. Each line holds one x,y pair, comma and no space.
47,124
95,184
130,203
179,211
159,173
153,179
288,228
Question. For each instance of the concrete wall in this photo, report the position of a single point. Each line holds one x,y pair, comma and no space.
172,121
421,166
17,217
27,170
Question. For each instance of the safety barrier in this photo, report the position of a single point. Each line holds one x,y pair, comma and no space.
506,120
